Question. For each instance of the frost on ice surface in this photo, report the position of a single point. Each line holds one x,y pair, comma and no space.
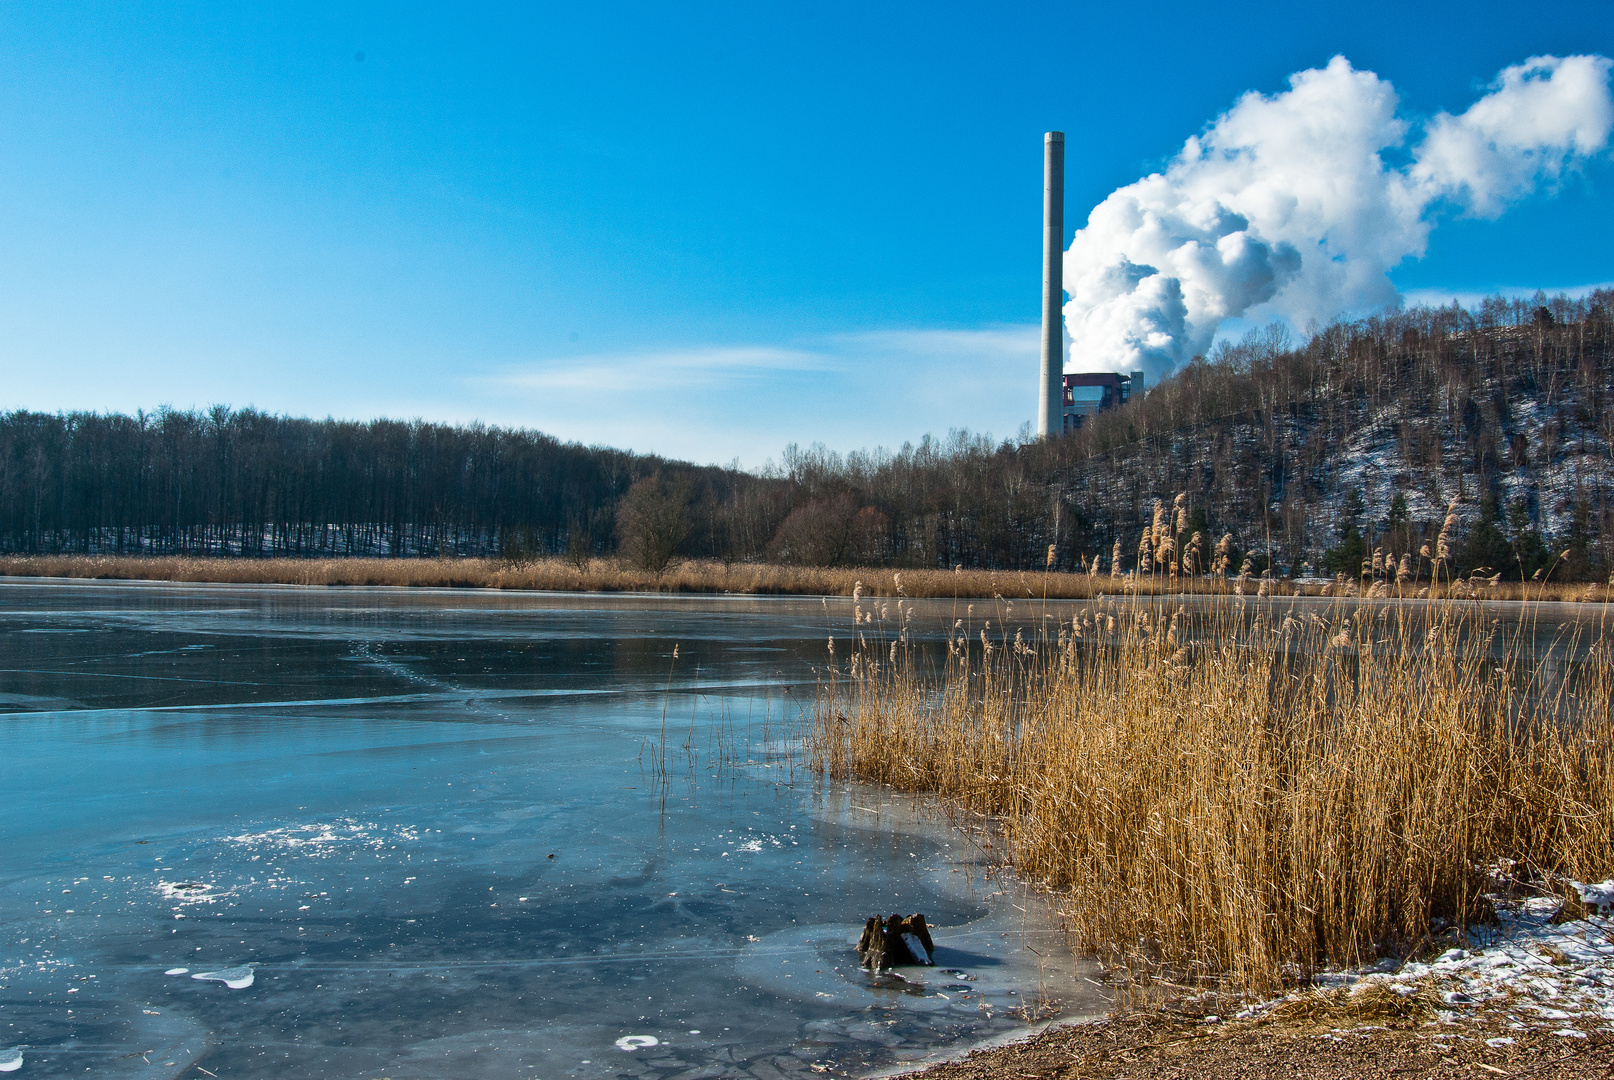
11,1059
236,978
192,892
637,1042
320,839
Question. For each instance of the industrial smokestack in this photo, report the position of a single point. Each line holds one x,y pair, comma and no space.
1051,391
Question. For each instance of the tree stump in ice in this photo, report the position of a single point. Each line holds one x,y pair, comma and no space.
895,942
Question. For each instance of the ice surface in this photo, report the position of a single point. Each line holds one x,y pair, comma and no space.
11,1058
438,825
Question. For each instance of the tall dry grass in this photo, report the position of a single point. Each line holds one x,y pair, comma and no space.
1250,797
694,576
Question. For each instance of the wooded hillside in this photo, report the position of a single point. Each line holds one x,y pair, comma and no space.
1360,439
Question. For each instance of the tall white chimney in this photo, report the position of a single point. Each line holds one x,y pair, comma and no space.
1051,390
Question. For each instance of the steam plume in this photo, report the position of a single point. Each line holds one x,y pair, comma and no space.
1287,205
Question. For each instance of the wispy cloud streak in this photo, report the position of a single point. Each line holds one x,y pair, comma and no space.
748,401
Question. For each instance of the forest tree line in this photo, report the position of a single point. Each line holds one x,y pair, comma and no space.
1372,435
243,482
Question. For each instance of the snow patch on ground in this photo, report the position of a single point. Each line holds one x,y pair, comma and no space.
1526,971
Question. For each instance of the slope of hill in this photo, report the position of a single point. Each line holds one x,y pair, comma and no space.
1367,435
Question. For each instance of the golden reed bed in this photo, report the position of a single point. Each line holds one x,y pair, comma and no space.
1239,797
609,575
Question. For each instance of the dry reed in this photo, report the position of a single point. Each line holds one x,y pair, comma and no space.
696,576
1243,797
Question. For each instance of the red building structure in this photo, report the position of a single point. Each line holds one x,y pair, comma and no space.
1089,393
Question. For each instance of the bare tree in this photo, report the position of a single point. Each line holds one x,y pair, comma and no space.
652,522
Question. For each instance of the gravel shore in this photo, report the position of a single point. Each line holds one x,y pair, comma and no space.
1160,1046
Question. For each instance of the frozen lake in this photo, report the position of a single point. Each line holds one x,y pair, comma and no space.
289,832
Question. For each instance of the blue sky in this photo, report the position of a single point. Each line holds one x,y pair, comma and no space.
704,231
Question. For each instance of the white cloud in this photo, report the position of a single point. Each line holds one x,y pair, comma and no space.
1540,117
1287,206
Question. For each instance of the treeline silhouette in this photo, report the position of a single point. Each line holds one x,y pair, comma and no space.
1297,459
248,483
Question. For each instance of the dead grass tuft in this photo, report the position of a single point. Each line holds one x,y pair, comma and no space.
1368,1002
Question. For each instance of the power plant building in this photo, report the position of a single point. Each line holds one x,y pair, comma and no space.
1089,393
